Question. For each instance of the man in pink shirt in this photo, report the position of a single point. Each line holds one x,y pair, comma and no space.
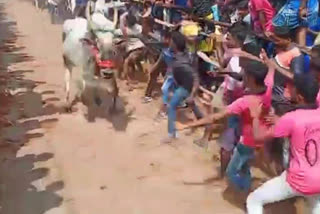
258,88
262,13
302,126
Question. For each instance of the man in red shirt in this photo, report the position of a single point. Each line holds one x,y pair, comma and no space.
258,88
261,12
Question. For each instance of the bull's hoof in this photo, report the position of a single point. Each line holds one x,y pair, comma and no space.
68,109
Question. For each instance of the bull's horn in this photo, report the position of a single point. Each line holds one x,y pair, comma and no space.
88,10
115,17
88,13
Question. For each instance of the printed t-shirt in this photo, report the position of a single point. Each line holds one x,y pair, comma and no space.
241,107
256,6
303,129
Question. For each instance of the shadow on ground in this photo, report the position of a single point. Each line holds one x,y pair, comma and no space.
21,190
19,194
118,115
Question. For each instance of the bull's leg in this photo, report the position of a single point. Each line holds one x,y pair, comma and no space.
115,94
96,94
36,4
67,81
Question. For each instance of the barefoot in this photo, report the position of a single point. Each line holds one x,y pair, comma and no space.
203,143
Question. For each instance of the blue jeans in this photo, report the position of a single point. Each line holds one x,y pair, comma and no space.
179,95
234,122
230,137
166,88
238,170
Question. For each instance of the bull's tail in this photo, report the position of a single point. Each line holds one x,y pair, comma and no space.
64,35
114,105
115,95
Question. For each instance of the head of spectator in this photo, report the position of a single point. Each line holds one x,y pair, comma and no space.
282,38
166,37
178,42
236,36
252,45
305,89
243,8
254,73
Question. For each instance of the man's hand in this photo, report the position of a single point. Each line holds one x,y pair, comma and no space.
269,62
303,13
268,34
190,99
181,126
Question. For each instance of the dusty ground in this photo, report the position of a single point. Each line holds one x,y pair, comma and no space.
70,166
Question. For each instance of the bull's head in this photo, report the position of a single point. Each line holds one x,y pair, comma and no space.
104,37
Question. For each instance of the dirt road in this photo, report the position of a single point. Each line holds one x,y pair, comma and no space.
70,166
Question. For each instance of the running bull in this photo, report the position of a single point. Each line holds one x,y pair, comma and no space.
88,54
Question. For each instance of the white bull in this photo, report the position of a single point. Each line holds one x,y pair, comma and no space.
78,57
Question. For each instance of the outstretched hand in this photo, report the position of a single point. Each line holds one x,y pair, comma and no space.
269,62
181,126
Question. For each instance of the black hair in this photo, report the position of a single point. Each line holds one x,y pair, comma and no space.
239,31
277,4
244,4
179,40
131,19
284,32
132,16
307,86
166,34
257,70
252,45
